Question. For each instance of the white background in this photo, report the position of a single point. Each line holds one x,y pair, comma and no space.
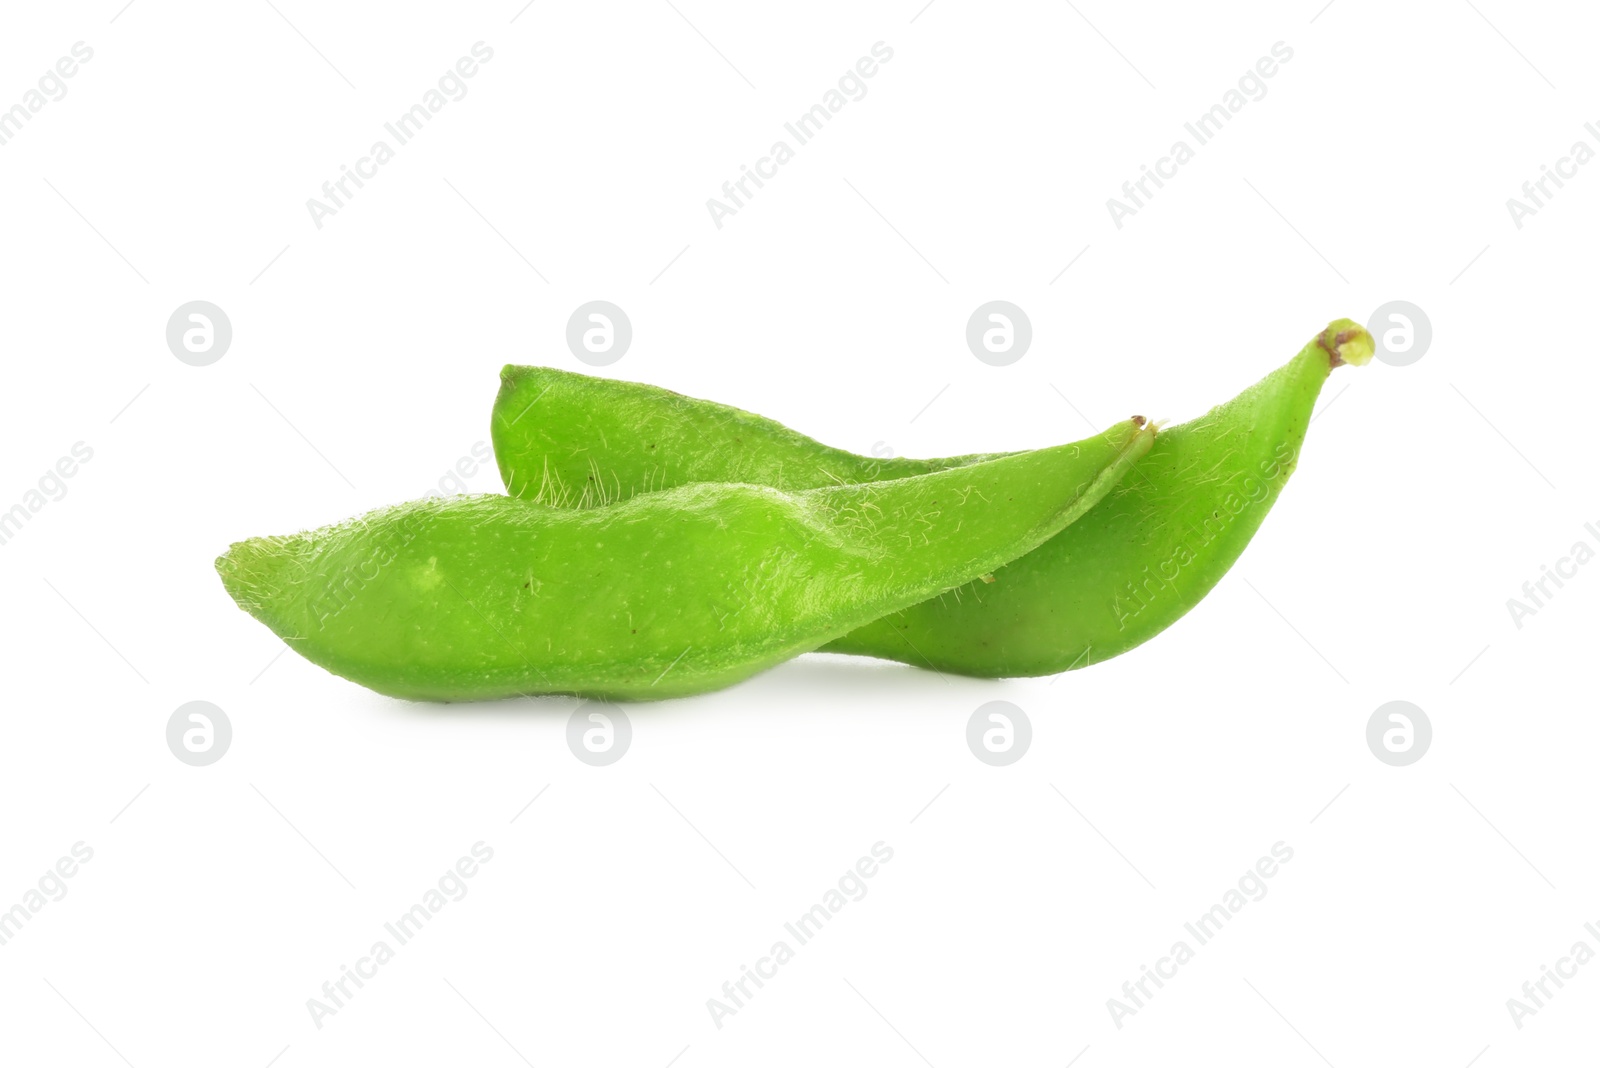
977,167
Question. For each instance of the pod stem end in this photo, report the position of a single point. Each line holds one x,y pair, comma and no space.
1346,341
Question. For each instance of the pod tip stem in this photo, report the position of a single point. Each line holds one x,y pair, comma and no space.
1346,341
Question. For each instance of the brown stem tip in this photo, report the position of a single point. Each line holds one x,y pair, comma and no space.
1346,341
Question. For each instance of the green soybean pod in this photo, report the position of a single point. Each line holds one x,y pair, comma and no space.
1145,556
1112,580
576,441
662,595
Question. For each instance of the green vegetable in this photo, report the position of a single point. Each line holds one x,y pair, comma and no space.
664,594
1112,580
574,441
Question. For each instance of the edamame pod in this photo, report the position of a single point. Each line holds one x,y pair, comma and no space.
662,595
1111,581
1145,556
575,441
